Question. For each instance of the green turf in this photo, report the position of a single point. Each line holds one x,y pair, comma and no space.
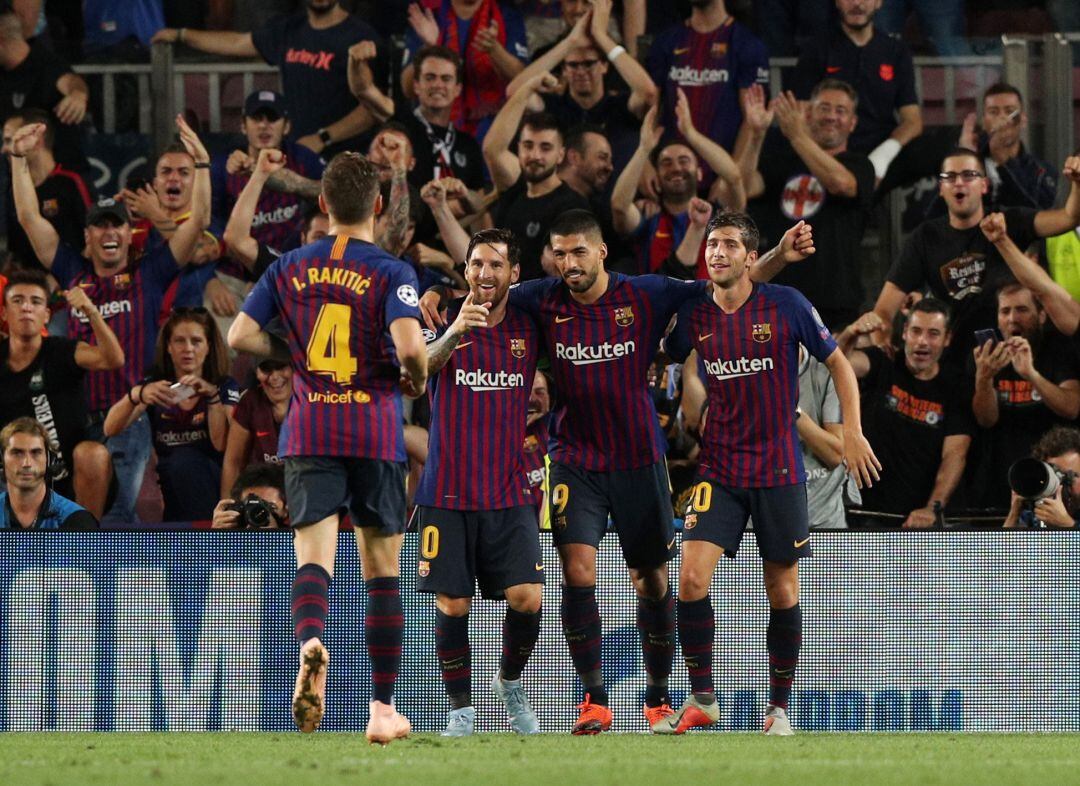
504,760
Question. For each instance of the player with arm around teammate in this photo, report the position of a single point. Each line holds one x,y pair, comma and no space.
748,336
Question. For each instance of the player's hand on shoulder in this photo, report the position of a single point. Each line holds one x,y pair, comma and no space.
222,518
429,310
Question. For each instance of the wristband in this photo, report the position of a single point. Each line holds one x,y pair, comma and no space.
140,394
324,135
131,398
883,155
214,400
618,50
202,164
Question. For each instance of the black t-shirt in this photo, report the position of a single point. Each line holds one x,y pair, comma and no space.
881,72
63,199
832,278
314,68
50,390
621,126
529,220
906,421
963,268
457,148
32,85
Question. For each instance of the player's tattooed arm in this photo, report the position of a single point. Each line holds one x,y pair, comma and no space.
286,181
393,237
472,315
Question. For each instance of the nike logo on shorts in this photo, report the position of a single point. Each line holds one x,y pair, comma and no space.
800,543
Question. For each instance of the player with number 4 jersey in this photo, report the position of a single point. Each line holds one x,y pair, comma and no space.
350,316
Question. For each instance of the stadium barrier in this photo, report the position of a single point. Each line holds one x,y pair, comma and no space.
190,631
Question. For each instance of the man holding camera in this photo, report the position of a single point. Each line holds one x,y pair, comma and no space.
1060,448
257,500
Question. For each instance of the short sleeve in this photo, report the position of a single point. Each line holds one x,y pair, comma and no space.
269,40
809,327
261,303
307,162
905,74
67,264
753,64
402,299
515,36
906,271
229,391
830,403
860,166
527,295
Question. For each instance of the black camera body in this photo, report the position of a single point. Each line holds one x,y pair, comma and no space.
1034,480
255,512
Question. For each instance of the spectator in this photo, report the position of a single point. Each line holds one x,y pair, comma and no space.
942,21
189,404
63,197
1016,177
880,68
584,55
115,26
256,421
531,195
312,50
128,296
489,36
27,501
630,28
665,230
784,25
1060,446
258,483
42,377
917,409
712,58
34,77
536,440
951,257
1025,384
812,176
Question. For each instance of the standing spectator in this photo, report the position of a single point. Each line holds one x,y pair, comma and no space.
812,176
630,27
42,377
63,197
311,49
880,68
531,195
27,501
115,26
256,422
917,410
712,58
189,404
489,36
942,21
128,296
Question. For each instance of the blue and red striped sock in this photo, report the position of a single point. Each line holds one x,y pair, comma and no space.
783,639
310,602
383,626
455,657
519,634
697,628
656,625
581,626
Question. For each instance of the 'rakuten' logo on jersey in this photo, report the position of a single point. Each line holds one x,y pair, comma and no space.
277,216
686,76
741,367
583,355
480,381
110,309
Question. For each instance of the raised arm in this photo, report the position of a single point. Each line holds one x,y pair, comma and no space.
549,61
453,236
43,236
733,196
837,178
625,215
238,239
796,245
990,358
643,92
1063,399
362,82
1065,219
107,354
847,340
690,248
503,164
184,241
392,239
757,118
216,42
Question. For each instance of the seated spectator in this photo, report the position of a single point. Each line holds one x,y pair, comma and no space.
917,409
43,377
63,197
1016,177
256,422
311,48
531,195
256,500
1025,384
488,35
189,404
711,58
27,501
664,230
584,56
1060,446
34,77
129,293
811,175
821,437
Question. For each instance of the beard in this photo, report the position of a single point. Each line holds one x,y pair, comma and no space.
537,175
320,7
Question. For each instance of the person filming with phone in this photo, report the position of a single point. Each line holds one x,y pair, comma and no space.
188,399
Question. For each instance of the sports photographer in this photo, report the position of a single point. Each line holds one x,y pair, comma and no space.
257,501
1059,447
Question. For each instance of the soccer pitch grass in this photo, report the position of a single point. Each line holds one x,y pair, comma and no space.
505,760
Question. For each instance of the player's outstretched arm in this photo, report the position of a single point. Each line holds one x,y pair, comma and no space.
796,245
858,455
412,353
472,315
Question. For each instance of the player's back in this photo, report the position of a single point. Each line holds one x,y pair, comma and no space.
337,298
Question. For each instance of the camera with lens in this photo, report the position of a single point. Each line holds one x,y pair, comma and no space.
255,513
1033,480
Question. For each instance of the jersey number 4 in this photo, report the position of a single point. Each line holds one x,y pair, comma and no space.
328,348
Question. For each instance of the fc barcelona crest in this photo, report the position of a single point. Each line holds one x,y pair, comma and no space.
624,316
517,347
762,332
719,49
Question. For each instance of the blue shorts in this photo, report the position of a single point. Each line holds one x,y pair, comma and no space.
718,514
371,491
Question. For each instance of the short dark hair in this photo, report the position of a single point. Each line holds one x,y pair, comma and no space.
350,184
172,147
544,121
270,474
439,53
312,212
1003,89
576,136
957,152
748,231
1012,285
932,305
27,276
491,237
576,222
1056,442
33,115
654,154
835,84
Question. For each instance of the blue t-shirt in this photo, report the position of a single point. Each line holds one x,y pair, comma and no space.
56,512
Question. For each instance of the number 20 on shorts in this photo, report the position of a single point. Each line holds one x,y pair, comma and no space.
701,500
429,542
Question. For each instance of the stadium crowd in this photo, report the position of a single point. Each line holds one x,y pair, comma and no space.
503,114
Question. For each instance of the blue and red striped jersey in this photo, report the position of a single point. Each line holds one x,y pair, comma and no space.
479,409
535,452
130,301
337,298
751,363
600,355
